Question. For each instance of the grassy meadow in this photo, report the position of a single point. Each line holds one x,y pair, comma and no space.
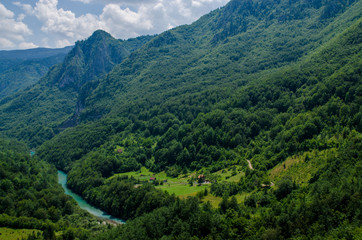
15,234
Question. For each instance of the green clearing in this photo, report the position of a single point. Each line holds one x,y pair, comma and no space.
144,175
14,234
182,189
215,201
232,174
301,167
180,186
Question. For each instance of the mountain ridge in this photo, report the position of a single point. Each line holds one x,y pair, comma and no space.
20,69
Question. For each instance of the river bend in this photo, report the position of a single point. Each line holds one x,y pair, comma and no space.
62,180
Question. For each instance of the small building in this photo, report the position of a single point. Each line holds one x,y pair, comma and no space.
119,150
152,178
201,178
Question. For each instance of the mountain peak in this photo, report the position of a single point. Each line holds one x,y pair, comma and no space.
100,34
90,59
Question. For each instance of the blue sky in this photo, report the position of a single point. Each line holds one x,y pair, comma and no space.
57,23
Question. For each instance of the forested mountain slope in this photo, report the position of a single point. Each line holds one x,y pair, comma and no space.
38,113
224,49
22,68
203,76
275,83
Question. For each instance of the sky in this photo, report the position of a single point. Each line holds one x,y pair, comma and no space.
28,24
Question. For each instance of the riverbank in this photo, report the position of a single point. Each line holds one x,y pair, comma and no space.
102,216
109,221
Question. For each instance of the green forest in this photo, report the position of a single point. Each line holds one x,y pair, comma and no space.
245,124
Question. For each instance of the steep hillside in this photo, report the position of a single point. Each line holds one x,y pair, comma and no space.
54,103
260,41
202,77
20,69
269,90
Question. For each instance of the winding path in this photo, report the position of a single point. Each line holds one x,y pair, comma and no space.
263,185
250,166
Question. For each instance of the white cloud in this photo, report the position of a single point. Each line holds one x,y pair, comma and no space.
6,44
153,16
26,7
12,30
27,45
5,13
121,18
62,24
83,1
120,2
20,17
125,23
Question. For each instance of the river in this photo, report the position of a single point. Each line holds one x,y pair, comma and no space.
62,180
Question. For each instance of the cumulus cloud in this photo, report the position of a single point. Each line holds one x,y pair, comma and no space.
27,45
153,16
63,25
120,2
125,23
122,18
26,7
13,31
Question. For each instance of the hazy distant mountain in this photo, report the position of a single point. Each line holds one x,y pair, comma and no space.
22,68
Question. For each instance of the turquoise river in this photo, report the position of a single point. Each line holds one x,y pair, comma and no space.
62,179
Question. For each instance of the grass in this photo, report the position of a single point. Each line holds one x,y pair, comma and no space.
301,167
232,174
15,234
215,201
181,189
180,186
144,175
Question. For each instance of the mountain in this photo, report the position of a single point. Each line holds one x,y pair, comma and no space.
196,61
203,74
260,98
53,104
22,68
12,57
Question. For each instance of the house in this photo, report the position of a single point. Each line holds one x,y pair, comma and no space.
201,178
152,178
119,150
